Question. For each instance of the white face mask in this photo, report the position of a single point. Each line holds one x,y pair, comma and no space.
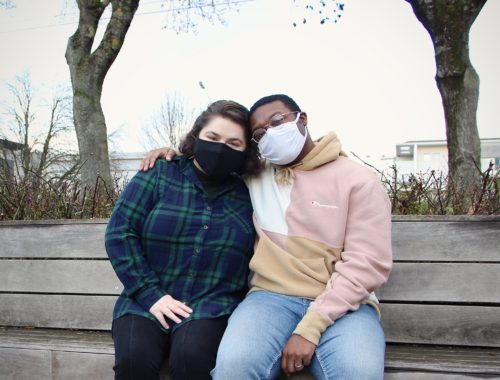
282,144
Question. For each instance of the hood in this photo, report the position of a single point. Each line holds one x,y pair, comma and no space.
326,149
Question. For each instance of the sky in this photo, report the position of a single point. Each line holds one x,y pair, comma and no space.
369,77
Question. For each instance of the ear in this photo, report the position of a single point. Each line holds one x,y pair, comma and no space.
303,118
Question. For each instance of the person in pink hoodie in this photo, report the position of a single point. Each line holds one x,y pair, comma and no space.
323,248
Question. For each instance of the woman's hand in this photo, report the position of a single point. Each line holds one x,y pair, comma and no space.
149,161
171,308
297,354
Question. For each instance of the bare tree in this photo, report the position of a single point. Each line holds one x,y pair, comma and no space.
6,4
169,124
29,152
448,23
89,67
38,138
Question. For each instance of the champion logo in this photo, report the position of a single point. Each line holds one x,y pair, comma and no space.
317,204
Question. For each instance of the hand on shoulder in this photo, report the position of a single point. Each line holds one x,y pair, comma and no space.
149,161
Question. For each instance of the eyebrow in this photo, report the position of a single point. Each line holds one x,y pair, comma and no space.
230,139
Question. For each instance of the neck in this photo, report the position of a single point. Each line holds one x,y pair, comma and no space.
198,167
308,146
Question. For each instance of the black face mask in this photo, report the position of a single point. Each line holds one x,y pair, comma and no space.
217,159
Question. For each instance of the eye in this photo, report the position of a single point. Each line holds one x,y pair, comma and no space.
234,144
276,120
258,134
212,137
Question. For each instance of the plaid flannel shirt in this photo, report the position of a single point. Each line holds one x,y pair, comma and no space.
166,236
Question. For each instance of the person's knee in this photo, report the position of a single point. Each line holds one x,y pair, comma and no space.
239,363
188,357
136,360
369,369
133,364
363,366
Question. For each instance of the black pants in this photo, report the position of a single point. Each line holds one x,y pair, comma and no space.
141,347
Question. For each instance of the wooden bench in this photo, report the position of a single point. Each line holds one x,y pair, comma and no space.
441,306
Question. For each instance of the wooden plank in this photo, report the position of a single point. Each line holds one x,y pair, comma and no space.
442,359
446,218
76,365
59,276
446,241
57,340
53,240
57,311
443,282
24,364
74,354
93,351
411,375
442,324
440,238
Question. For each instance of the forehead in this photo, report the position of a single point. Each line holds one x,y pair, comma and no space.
224,127
261,115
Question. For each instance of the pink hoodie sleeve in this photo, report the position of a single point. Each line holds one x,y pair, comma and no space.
365,263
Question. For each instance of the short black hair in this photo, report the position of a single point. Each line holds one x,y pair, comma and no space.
285,99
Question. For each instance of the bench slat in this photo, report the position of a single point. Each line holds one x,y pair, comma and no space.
408,281
25,365
75,365
421,240
57,340
443,359
57,311
53,240
442,282
446,241
411,375
67,354
442,324
406,359
59,276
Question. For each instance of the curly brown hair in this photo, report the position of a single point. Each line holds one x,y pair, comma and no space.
235,112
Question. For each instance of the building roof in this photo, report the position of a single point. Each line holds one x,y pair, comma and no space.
11,145
444,142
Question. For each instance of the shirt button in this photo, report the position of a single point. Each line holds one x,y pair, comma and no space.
205,227
209,208
197,250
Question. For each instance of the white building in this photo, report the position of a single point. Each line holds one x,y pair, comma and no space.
425,155
125,165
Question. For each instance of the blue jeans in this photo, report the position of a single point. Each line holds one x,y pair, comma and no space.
352,348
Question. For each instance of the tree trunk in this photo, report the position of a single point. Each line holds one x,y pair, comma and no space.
448,23
88,69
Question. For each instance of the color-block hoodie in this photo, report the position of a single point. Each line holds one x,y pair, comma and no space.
324,228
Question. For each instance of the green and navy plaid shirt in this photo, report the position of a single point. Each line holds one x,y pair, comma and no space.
166,236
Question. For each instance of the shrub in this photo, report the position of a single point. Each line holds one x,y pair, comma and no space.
30,199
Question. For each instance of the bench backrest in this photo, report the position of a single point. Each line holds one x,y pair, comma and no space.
444,288
445,284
